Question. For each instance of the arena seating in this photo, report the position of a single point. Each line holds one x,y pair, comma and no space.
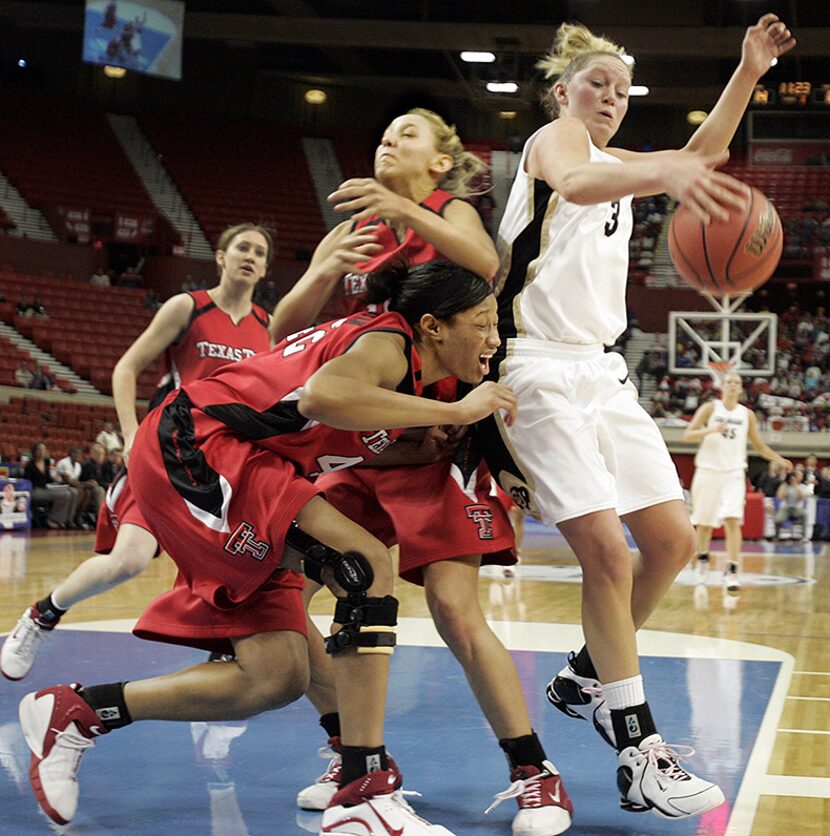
227,174
88,328
61,424
60,152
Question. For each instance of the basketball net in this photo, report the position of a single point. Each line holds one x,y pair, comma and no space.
719,371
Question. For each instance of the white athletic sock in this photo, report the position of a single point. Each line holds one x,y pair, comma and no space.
624,693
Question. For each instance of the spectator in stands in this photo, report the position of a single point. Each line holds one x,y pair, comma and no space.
823,487
100,278
47,489
188,284
130,278
791,496
38,309
98,468
108,437
116,458
151,300
811,473
43,379
23,375
69,471
24,307
769,481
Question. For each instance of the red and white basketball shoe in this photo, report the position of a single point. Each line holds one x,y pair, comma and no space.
373,806
59,727
544,807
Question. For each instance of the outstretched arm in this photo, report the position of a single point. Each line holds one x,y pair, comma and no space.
357,392
459,235
765,41
340,251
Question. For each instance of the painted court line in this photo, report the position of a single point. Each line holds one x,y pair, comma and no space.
561,638
796,785
802,731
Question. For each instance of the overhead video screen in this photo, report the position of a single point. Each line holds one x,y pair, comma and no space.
145,36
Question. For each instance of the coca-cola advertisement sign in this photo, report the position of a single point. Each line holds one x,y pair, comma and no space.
790,153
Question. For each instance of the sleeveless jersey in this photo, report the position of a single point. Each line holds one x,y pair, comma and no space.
258,398
725,450
208,341
350,295
563,267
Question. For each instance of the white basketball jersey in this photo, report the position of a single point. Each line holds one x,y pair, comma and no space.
563,267
725,450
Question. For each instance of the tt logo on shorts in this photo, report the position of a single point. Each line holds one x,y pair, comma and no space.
482,516
243,540
521,496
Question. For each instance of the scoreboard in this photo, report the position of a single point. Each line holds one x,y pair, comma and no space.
791,94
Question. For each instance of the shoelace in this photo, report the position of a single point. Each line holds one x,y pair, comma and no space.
670,755
31,634
524,786
74,742
593,691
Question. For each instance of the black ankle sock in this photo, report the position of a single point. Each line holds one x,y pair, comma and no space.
731,567
48,611
583,665
107,701
360,760
631,725
523,751
704,556
331,723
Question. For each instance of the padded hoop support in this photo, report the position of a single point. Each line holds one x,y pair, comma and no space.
351,570
368,624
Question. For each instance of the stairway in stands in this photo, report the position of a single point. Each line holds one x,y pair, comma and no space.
159,184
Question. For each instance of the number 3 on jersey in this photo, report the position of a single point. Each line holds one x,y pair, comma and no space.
614,221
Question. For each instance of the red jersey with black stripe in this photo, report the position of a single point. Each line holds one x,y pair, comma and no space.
257,399
412,249
209,341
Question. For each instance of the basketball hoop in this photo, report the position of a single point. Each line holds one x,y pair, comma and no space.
719,371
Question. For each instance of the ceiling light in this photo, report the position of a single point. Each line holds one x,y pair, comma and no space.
21,62
315,96
508,114
638,90
502,86
114,72
478,57
696,117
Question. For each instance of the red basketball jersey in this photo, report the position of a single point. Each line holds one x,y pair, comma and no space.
258,398
208,341
351,295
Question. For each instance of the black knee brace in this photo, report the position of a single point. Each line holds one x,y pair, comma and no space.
351,570
368,624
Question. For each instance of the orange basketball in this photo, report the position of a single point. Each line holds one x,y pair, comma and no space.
732,256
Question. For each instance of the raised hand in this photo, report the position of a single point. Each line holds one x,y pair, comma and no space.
366,197
769,38
709,194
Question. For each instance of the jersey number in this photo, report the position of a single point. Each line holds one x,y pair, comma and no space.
328,464
302,339
611,226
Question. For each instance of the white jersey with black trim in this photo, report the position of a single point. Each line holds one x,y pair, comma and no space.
563,266
725,450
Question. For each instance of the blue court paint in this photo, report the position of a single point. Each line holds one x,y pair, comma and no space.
150,778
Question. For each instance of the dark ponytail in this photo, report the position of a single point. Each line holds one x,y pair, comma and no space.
440,288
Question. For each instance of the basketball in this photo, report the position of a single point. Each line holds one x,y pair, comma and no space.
732,256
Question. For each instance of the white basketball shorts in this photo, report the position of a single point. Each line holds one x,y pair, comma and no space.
581,441
718,495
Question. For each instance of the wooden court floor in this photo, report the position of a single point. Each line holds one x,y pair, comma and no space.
784,605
